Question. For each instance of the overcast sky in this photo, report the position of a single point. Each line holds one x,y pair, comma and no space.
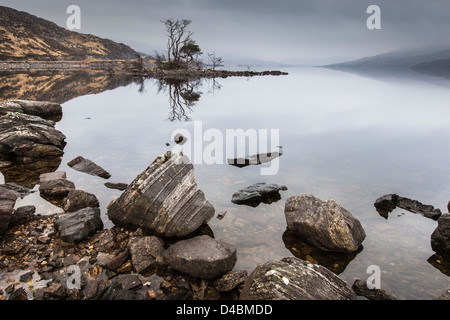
286,31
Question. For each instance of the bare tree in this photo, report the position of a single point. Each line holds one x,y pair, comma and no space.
215,61
177,36
183,95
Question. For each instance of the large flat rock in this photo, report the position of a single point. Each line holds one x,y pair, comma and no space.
294,279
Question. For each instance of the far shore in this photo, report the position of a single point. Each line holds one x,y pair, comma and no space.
128,67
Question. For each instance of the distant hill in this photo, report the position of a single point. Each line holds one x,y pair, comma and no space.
430,61
27,37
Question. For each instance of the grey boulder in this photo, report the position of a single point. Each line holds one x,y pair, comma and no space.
324,224
259,192
201,257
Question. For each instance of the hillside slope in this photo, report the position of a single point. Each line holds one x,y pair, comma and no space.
27,37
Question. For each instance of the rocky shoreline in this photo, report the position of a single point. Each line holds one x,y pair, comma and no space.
160,247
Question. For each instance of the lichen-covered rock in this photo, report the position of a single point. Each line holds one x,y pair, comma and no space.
164,200
24,138
324,224
201,257
294,279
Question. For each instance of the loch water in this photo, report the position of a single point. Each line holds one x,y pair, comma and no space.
345,136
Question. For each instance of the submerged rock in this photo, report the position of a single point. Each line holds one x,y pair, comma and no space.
387,203
255,159
7,202
336,262
79,225
259,192
440,238
294,279
201,257
164,200
361,289
324,224
87,166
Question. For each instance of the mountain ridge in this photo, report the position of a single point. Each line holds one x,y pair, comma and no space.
25,37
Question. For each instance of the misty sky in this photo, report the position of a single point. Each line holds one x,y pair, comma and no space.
286,31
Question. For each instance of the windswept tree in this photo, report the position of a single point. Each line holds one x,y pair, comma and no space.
190,52
182,50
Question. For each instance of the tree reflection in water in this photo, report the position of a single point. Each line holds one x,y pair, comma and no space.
184,95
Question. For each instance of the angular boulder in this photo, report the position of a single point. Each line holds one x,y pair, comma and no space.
7,202
201,257
79,199
324,224
259,192
56,187
440,238
79,225
164,200
294,279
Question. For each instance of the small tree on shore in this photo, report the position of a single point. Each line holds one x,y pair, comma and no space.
182,50
214,61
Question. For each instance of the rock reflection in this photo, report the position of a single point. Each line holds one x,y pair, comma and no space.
183,95
441,262
27,175
333,261
58,86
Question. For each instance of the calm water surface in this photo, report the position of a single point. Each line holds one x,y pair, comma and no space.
345,137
